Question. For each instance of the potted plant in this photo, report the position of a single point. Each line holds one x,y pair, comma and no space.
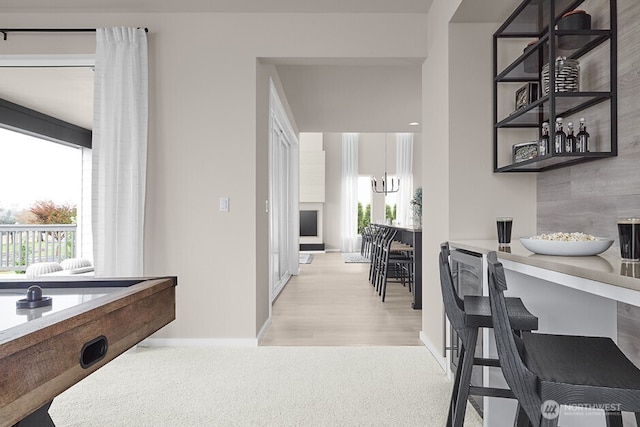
416,207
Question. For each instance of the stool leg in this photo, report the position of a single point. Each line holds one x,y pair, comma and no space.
465,378
522,420
549,422
614,419
383,278
456,387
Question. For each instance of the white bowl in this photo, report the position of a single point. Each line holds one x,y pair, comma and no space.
560,248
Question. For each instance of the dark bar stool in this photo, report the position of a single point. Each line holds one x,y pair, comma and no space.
383,259
398,265
367,239
467,317
383,235
564,369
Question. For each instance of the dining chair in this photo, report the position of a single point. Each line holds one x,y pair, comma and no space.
547,370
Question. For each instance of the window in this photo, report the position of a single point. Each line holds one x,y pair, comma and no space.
391,203
40,202
38,170
364,202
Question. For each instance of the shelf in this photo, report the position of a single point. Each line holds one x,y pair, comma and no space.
567,104
585,39
531,18
536,19
515,72
552,161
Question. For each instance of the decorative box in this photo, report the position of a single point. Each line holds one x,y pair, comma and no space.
525,151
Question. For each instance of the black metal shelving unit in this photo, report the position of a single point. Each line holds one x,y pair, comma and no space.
531,20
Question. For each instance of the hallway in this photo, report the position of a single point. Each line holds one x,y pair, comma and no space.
331,303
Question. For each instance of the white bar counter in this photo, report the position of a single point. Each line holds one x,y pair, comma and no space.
606,274
570,295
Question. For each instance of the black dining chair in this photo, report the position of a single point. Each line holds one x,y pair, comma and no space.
552,370
467,316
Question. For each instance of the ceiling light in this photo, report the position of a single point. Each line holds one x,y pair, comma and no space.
389,185
414,124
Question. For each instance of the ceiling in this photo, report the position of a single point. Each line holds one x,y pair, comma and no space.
475,11
65,93
352,97
230,6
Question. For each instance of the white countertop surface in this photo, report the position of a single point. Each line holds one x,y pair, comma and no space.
606,267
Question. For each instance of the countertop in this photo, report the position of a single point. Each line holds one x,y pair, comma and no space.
606,267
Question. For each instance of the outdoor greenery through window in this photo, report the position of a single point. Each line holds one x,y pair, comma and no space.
364,202
38,203
391,205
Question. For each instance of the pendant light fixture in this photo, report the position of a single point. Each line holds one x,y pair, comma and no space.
389,185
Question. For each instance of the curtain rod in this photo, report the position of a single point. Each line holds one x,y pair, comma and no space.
6,31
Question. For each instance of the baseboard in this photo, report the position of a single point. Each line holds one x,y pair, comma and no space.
199,342
208,342
263,330
442,361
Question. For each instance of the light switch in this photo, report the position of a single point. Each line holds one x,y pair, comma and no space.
224,204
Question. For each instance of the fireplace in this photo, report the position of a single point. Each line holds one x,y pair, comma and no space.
308,223
311,238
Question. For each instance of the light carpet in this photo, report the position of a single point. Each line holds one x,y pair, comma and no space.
262,386
306,258
354,257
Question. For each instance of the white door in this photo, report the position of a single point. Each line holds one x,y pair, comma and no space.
283,200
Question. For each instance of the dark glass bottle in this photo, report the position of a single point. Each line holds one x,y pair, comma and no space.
543,145
570,146
561,137
582,139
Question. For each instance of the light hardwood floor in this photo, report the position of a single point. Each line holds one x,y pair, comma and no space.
332,303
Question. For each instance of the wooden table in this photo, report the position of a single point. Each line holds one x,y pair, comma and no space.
44,351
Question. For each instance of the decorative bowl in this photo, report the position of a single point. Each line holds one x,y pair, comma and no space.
562,248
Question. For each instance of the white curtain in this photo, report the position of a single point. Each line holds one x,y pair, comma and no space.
349,206
119,151
404,171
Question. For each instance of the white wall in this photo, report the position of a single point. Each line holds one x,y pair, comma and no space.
462,196
207,140
477,194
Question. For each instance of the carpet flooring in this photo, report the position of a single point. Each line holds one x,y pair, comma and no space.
261,386
354,257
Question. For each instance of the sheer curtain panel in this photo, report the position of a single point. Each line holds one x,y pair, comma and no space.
404,171
119,151
349,205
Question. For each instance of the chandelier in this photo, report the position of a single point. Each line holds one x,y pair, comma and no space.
389,185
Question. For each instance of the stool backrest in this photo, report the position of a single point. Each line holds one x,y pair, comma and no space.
521,380
453,305
389,236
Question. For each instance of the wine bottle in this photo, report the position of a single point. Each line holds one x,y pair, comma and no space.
543,145
561,137
570,146
582,139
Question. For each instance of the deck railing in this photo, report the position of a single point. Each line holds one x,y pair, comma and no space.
22,245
